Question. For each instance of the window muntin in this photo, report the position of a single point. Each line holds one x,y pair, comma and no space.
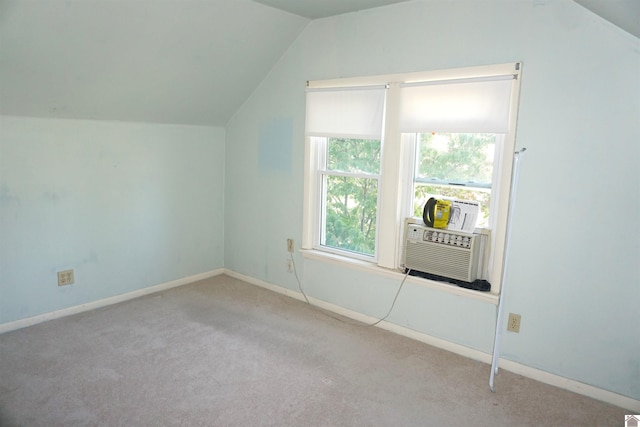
349,181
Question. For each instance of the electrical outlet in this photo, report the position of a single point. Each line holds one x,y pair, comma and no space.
514,323
65,277
289,266
290,245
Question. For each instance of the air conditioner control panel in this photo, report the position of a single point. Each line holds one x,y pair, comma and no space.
443,237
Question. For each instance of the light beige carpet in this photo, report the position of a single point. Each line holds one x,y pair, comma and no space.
221,352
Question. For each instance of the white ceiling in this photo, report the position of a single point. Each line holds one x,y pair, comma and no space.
163,61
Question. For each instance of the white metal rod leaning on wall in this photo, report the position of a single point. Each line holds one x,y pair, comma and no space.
512,201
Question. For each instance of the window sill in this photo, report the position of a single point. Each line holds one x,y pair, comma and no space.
371,268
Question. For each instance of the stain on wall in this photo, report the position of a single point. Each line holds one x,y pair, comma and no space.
275,143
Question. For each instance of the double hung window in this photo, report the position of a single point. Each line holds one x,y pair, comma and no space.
346,129
349,176
457,123
379,147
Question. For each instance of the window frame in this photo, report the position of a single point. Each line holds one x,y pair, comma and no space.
397,167
322,146
412,140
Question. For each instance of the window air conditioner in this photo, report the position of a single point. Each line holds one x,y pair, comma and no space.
441,252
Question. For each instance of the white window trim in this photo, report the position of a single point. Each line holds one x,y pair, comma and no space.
396,168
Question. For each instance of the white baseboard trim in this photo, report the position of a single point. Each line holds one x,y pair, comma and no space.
569,384
261,283
508,365
45,317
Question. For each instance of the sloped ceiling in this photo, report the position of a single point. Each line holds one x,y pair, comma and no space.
623,13
163,61
159,61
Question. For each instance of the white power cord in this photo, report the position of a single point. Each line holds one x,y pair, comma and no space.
295,272
394,299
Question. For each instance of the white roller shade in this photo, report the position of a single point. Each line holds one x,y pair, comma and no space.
345,112
459,106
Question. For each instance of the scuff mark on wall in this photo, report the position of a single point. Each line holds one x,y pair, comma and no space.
51,197
7,197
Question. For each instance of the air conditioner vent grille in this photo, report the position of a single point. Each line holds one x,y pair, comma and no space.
441,252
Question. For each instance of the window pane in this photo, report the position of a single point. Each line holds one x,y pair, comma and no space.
424,191
456,157
350,214
353,155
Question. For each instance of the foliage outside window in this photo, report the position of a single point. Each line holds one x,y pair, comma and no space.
350,186
457,166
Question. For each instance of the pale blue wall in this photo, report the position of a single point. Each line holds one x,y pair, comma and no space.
575,284
125,205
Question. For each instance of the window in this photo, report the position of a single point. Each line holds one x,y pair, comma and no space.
454,165
379,147
345,126
350,172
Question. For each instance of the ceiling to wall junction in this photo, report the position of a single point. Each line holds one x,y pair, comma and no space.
314,9
164,61
623,13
